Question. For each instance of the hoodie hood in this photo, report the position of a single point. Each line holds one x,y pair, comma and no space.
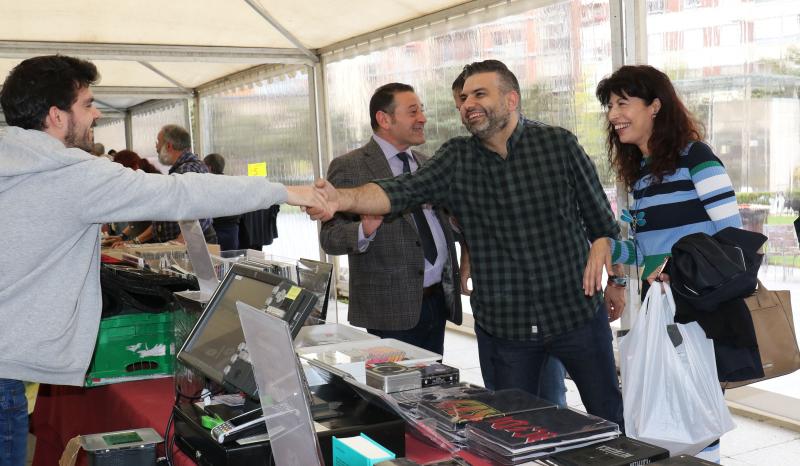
29,151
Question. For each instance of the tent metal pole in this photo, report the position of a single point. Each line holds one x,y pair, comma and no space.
166,76
256,5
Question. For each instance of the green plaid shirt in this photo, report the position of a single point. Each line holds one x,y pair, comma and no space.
528,221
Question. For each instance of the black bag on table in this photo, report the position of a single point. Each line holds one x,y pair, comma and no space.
128,290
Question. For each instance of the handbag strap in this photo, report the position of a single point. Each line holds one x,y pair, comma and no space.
761,299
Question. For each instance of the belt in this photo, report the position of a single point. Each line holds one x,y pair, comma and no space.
429,290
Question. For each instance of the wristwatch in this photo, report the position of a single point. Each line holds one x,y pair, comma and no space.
620,281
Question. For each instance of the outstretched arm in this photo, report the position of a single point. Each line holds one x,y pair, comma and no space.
307,197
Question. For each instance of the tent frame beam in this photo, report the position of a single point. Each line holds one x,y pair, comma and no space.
161,93
155,53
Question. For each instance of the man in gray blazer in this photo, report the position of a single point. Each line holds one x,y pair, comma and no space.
404,280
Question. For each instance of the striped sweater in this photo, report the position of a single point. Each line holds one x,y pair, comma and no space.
698,197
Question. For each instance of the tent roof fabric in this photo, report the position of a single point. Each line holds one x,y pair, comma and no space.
187,43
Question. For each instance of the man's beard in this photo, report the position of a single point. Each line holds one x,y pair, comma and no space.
496,121
163,156
84,141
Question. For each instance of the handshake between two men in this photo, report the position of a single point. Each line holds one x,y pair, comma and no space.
321,201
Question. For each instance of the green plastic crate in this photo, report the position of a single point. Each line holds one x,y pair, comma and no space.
132,347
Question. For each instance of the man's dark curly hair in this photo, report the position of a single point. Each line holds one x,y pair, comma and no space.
39,83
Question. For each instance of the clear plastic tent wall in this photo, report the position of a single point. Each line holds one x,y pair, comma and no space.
268,122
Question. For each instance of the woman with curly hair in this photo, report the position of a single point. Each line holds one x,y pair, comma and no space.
131,159
679,186
135,232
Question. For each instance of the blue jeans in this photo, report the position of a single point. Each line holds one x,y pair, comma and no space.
586,353
551,375
429,331
13,423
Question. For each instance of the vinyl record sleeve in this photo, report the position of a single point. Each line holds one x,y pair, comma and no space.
456,412
409,399
684,460
503,460
621,451
535,430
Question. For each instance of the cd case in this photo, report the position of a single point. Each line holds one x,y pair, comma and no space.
438,374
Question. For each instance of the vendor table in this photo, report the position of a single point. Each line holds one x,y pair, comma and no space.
62,412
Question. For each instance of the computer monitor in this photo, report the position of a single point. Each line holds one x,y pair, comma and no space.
315,276
215,347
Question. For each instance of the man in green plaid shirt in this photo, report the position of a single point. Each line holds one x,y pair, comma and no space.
529,201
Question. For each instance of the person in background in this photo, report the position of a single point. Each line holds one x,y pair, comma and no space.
227,228
98,150
403,270
528,200
130,159
551,382
174,149
133,232
679,185
457,86
55,197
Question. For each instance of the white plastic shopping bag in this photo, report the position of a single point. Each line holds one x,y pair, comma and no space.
670,390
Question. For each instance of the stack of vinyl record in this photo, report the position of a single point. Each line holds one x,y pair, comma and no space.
392,377
522,436
621,451
452,414
684,460
409,400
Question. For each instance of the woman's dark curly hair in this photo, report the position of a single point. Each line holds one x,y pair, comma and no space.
673,126
131,159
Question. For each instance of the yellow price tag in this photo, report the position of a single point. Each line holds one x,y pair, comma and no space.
293,292
257,169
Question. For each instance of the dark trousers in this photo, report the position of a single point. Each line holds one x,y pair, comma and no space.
429,331
13,423
551,375
586,352
228,236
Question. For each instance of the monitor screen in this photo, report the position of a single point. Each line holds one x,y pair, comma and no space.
216,342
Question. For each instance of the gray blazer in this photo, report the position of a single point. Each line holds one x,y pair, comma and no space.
385,280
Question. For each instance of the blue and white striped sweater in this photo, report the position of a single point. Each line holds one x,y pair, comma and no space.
698,197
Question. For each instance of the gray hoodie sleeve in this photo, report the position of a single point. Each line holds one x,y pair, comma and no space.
111,192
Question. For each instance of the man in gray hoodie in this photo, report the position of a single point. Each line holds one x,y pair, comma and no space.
54,196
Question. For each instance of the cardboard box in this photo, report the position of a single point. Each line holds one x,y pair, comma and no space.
359,451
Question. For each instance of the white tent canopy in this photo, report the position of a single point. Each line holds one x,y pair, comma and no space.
149,49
